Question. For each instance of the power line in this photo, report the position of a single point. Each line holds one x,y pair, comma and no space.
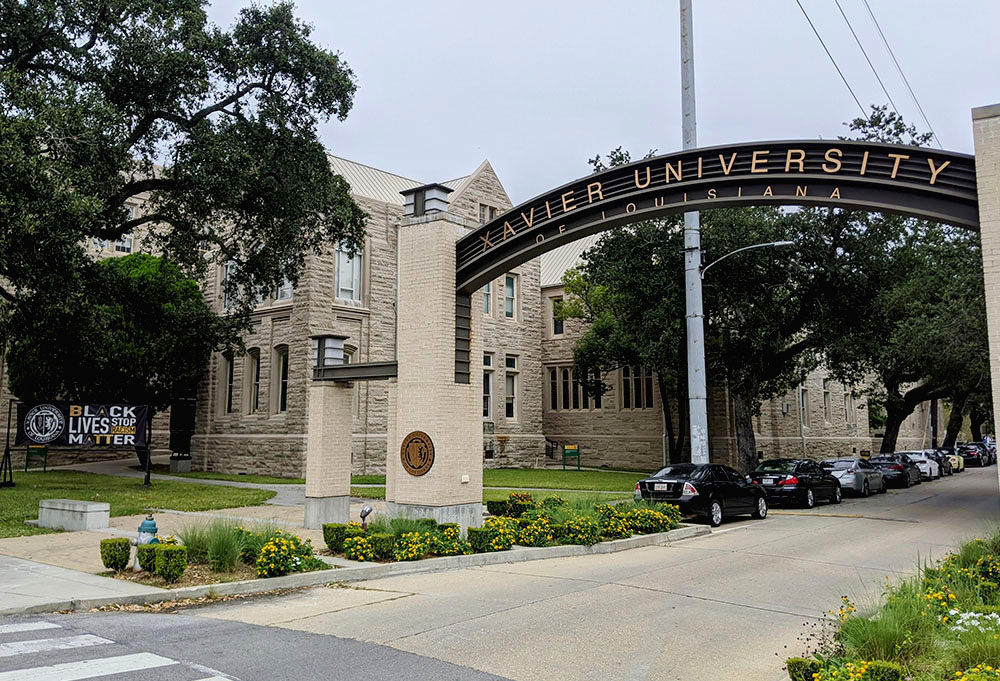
858,41
864,114
902,75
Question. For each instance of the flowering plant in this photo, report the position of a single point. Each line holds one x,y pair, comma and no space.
537,532
503,532
412,546
359,548
450,543
284,553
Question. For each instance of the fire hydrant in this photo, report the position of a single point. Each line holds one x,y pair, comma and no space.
147,535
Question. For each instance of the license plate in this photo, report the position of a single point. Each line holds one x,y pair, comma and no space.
768,481
660,487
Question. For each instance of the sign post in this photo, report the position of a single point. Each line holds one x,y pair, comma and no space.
6,467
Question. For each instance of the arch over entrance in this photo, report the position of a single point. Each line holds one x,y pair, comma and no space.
915,181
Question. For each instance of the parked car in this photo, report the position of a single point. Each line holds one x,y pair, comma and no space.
943,462
989,450
929,468
897,469
957,461
856,475
711,490
799,481
973,455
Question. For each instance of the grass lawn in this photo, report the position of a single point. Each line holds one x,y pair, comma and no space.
497,494
126,496
547,479
259,479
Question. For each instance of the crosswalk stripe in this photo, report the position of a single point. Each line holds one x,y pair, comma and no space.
26,626
42,645
88,669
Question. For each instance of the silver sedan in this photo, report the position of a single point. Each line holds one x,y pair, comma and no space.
856,475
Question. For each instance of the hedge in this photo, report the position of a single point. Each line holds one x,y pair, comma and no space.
115,553
515,509
427,524
382,545
802,668
171,561
884,671
479,538
444,527
497,507
147,557
334,534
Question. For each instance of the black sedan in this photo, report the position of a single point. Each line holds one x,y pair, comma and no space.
710,490
975,454
798,481
897,469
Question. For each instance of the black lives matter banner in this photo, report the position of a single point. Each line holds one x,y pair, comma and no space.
71,424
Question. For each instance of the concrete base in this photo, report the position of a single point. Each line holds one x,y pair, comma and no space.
180,465
466,515
72,515
322,510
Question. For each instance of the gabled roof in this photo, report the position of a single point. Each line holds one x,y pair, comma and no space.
462,183
555,262
372,182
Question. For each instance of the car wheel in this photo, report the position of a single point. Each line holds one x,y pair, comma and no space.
906,481
809,500
760,511
715,513
837,495
884,488
865,491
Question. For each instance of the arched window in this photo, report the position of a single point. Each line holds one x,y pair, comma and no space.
565,388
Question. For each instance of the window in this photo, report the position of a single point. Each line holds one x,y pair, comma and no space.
576,391
486,213
230,369
850,408
252,381
488,298
637,387
228,271
510,295
487,386
510,387
102,244
565,388
827,406
557,324
124,245
348,274
280,369
597,393
804,406
284,292
553,390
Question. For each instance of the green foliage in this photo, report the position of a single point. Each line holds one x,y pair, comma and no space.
427,524
497,507
648,521
382,544
515,509
115,553
802,668
147,557
580,529
412,546
254,538
334,535
92,98
283,554
171,561
981,672
899,632
224,545
449,542
554,501
359,547
401,525
479,538
537,532
444,527
503,533
520,498
614,522
976,646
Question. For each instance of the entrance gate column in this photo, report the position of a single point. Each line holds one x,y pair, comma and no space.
986,137
434,459
328,454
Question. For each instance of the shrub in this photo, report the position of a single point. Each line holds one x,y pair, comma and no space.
581,529
224,545
171,561
412,546
397,527
427,524
520,498
479,538
195,538
538,532
976,646
360,547
497,507
449,542
444,527
335,533
802,668
856,670
515,509
899,632
381,544
283,554
614,523
980,672
147,556
253,539
555,501
503,533
648,521
115,553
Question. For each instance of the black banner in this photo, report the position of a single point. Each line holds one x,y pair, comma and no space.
71,424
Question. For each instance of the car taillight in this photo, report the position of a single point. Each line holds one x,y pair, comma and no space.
790,480
637,487
690,490
851,470
896,467
919,461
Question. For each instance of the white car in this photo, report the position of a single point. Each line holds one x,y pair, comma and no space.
929,468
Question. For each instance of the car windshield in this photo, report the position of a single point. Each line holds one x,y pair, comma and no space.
776,466
882,459
679,470
839,464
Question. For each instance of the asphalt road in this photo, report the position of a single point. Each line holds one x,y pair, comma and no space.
730,605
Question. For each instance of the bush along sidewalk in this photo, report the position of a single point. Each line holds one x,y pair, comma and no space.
942,625
517,520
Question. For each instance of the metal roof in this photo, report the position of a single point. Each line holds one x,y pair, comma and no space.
555,262
372,182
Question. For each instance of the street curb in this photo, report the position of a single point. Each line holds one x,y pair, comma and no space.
365,572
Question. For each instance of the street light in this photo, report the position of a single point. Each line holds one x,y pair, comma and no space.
775,244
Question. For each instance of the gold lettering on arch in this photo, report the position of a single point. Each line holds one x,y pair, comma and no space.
936,170
712,194
508,229
835,194
630,208
754,161
642,185
539,238
800,190
486,241
768,192
594,188
529,219
829,156
658,202
677,173
726,169
567,201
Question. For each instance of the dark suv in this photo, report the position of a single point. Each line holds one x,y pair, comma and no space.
798,481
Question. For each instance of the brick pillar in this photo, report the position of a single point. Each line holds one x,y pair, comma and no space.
328,454
986,136
425,396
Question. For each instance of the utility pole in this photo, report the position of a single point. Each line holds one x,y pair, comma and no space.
697,390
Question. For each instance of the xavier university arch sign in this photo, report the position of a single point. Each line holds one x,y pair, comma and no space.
924,183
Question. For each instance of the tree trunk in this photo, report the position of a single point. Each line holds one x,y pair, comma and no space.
746,441
894,417
955,420
683,424
668,423
977,417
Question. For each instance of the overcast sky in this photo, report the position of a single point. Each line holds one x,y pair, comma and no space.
539,87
